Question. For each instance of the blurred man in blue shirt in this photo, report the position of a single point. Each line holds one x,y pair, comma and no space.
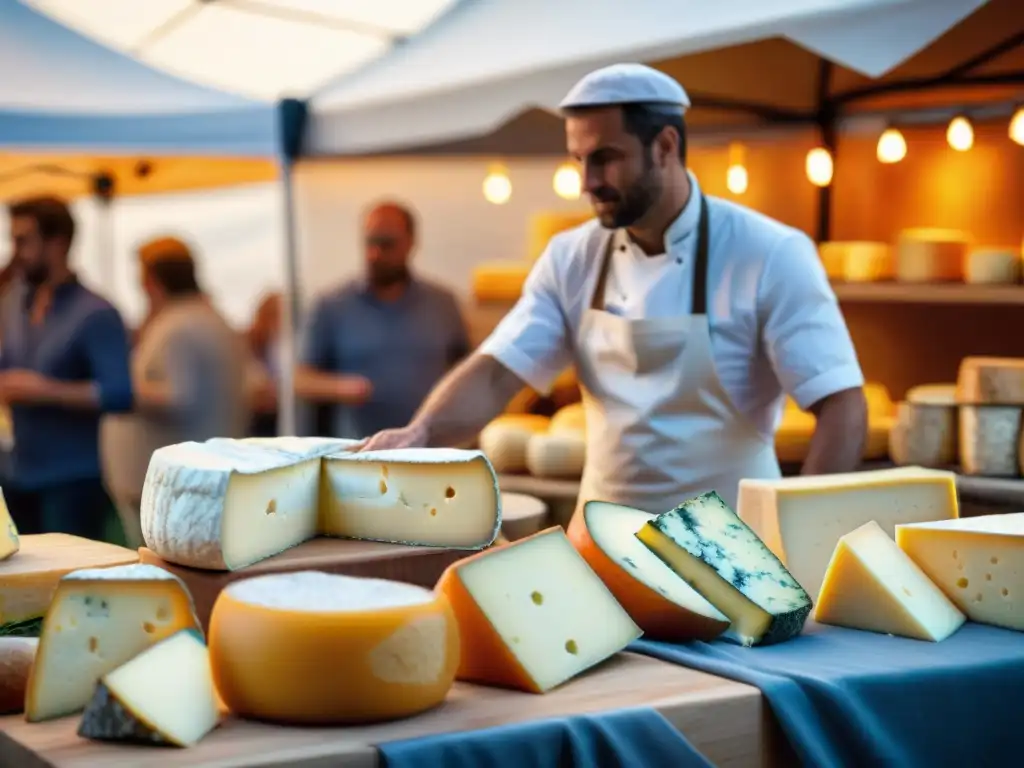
63,363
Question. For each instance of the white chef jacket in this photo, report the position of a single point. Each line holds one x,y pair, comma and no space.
775,323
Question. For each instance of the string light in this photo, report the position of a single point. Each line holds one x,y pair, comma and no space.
567,182
892,147
960,134
1017,127
736,179
819,167
497,186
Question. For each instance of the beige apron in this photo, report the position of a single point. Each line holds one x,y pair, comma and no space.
660,426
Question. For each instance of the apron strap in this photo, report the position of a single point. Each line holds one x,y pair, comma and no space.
597,299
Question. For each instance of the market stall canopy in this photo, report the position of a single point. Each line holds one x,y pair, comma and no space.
487,61
71,109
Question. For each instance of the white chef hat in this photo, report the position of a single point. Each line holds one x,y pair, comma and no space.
626,84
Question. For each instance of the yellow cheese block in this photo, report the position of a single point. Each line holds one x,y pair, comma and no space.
987,266
500,281
873,586
544,226
857,262
316,648
504,440
931,255
9,541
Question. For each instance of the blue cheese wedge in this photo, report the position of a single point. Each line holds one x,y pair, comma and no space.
707,544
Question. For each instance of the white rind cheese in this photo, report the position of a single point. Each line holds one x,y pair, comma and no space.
990,440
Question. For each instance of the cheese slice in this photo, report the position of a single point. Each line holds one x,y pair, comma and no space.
978,562
986,266
924,435
532,614
872,585
989,440
931,255
316,648
707,544
223,505
99,619
991,381
801,519
504,440
9,541
428,497
16,657
663,605
561,455
28,581
163,696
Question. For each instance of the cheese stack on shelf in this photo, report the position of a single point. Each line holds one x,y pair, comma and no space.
925,430
931,255
990,393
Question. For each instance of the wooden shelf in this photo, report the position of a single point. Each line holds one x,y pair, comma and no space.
929,293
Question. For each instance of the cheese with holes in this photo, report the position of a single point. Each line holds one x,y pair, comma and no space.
556,455
991,381
986,266
663,605
28,581
990,440
433,497
504,440
857,261
16,657
714,551
931,255
99,619
164,696
500,281
873,586
924,433
532,614
223,505
572,419
9,541
978,562
316,648
802,518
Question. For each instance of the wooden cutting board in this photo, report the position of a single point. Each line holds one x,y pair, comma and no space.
415,565
728,722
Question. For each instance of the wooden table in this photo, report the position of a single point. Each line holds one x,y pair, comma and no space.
728,722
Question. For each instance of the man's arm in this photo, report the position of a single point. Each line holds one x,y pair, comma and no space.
813,356
313,380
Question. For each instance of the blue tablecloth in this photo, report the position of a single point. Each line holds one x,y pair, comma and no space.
849,698
630,738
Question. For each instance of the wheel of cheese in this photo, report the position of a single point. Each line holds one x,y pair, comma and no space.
556,455
522,515
500,281
16,657
316,648
571,418
991,381
990,440
987,266
931,255
924,434
857,262
504,440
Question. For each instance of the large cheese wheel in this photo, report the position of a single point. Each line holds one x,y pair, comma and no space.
990,440
924,434
993,265
16,657
556,455
857,262
500,281
571,418
316,648
663,605
931,255
991,381
504,440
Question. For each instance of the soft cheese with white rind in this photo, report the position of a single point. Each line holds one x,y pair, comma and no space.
223,505
99,619
163,696
433,497
290,445
714,551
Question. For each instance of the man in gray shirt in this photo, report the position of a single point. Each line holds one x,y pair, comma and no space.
374,348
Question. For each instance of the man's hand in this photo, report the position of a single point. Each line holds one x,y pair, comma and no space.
21,386
412,436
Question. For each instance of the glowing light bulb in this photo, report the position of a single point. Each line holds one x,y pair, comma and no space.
736,179
1017,127
567,182
497,187
892,147
960,134
819,167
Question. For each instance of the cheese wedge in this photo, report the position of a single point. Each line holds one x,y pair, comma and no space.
163,696
872,585
801,519
663,605
16,657
978,562
315,648
532,614
707,544
99,619
504,440
9,541
429,497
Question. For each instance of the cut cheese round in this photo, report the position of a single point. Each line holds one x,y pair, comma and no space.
16,657
556,455
992,266
991,381
924,434
990,440
522,515
315,648
504,440
571,418
663,605
931,255
500,281
857,262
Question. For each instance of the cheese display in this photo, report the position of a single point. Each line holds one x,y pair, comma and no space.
556,455
316,648
986,266
663,605
991,381
802,518
99,619
522,515
857,262
163,696
976,561
931,255
990,440
9,541
504,440
714,551
16,657
500,280
925,431
872,585
435,497
29,579
796,428
532,614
